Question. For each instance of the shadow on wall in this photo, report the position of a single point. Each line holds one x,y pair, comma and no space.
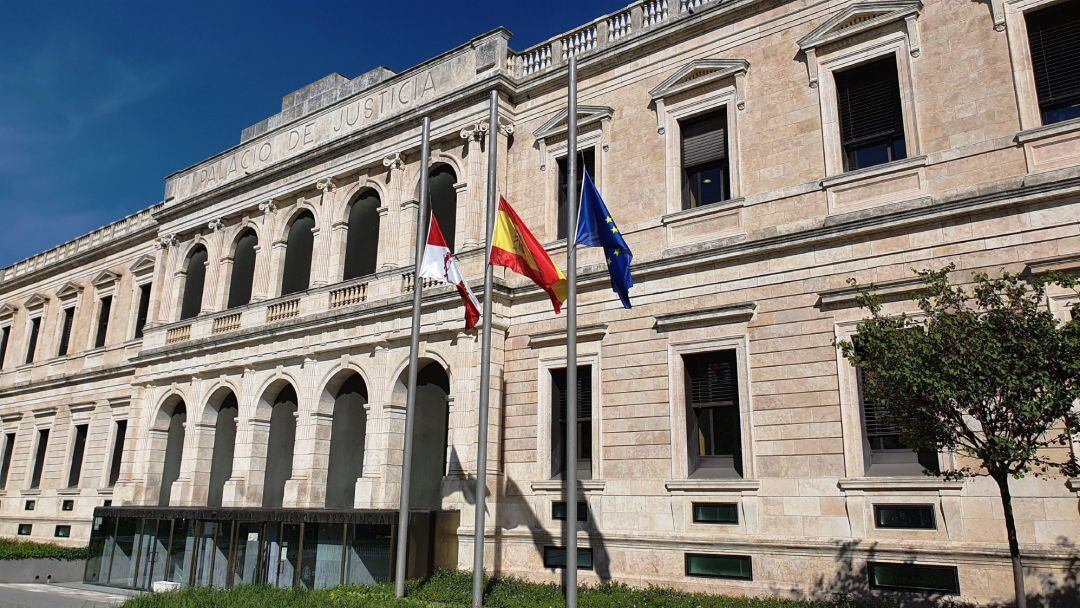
1057,589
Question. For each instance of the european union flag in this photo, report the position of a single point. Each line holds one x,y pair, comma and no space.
596,228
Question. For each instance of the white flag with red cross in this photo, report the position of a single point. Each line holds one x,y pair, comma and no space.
439,264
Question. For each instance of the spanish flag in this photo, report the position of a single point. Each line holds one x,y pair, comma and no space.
514,247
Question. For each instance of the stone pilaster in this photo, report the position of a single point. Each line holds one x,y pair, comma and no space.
213,266
390,214
471,206
323,272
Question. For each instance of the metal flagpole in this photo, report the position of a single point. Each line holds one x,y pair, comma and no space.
414,349
571,339
485,359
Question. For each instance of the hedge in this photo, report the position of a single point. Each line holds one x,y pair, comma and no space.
453,590
24,549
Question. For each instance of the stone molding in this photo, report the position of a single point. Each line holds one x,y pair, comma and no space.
859,18
1063,263
697,74
899,484
733,313
695,486
585,333
847,296
554,486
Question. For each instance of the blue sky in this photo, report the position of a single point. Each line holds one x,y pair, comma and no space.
99,101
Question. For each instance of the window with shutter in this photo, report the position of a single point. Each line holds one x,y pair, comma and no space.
705,160
78,449
586,162
31,346
5,334
1054,38
65,331
871,114
104,312
5,464
144,310
584,421
39,458
712,400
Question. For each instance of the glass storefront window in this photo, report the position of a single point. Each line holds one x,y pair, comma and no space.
368,555
246,565
181,551
212,556
100,550
321,565
122,572
155,552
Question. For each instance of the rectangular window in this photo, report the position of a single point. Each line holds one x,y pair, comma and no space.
555,557
907,517
144,310
31,345
716,513
1054,38
65,331
912,577
104,311
25,529
77,450
888,453
62,532
29,505
738,567
558,511
705,178
117,452
586,161
5,334
39,457
871,114
584,422
712,404
67,505
5,465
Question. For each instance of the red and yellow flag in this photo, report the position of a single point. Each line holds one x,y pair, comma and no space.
514,247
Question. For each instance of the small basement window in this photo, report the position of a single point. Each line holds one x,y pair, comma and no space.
555,558
716,513
62,532
558,511
907,517
914,577
738,567
25,529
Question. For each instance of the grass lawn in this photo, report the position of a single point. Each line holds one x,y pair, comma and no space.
453,589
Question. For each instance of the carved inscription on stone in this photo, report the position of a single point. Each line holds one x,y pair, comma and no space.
362,111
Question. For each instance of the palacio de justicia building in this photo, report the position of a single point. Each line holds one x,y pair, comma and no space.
212,391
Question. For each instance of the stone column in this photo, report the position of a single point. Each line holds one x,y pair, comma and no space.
322,272
390,213
158,305
225,272
339,238
213,280
406,230
473,203
248,459
195,466
277,268
261,288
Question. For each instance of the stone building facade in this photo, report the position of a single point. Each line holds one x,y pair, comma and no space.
173,358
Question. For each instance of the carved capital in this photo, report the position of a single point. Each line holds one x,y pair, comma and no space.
167,240
215,225
474,132
394,162
506,127
268,207
326,186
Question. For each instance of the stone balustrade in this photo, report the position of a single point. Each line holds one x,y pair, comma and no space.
229,322
348,295
181,333
283,310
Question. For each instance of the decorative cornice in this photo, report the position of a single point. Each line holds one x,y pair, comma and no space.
143,265
695,486
899,484
589,486
732,313
847,296
1063,263
585,333
36,301
7,311
557,124
696,74
69,291
105,278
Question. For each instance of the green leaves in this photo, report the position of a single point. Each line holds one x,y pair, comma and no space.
985,371
24,549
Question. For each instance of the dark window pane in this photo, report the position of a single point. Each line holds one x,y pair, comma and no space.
5,334
715,513
243,270
25,529
362,244
39,457
443,199
719,566
555,557
144,310
346,461
920,517
117,452
586,161
282,439
712,396
368,557
558,511
77,450
871,114
297,274
194,281
67,505
35,328
5,467
1054,38
62,532
221,463
704,159
104,312
174,453
584,421
65,331
911,577
431,431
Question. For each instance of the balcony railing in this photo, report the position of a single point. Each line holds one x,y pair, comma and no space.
226,323
637,18
283,310
178,334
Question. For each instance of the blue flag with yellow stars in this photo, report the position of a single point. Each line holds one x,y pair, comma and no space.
596,228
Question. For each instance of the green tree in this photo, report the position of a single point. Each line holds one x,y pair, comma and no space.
987,373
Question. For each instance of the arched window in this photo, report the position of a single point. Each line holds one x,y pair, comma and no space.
221,464
362,245
174,452
194,281
297,274
443,200
243,270
347,444
280,443
430,436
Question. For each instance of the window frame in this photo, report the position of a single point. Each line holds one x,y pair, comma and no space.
5,342
681,456
873,565
99,338
72,442
723,98
1027,96
138,287
63,346
877,507
38,458
33,337
592,137
559,161
690,555
545,409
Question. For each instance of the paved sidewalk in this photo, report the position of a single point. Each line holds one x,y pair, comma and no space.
59,595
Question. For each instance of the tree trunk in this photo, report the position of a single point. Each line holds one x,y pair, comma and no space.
1002,480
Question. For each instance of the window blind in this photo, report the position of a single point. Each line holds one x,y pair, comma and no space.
1054,38
711,380
704,139
868,97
